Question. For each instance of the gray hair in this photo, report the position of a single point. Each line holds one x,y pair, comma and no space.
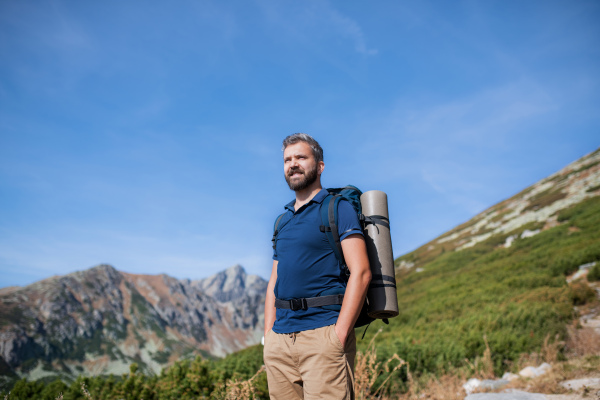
303,137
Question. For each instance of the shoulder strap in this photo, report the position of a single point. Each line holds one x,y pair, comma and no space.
329,218
276,231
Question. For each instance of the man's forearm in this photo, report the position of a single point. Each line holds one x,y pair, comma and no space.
354,298
270,311
355,252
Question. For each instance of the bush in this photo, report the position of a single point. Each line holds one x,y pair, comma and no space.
581,293
594,273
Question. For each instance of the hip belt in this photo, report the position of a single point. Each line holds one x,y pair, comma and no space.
305,303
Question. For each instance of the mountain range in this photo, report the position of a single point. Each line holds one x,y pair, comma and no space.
101,320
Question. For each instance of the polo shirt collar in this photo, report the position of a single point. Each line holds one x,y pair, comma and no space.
318,198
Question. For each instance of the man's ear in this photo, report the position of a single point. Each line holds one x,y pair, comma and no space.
320,167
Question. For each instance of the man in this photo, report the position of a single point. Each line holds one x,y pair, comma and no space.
309,351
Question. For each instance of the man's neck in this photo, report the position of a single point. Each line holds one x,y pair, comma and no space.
306,195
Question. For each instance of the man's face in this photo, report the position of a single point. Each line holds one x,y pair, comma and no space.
300,167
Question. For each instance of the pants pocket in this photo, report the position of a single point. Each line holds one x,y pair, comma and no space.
270,341
335,340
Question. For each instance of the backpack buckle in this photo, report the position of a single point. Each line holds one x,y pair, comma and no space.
298,304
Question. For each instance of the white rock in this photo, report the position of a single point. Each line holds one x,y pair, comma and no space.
471,385
532,372
527,233
577,275
508,395
509,240
576,384
493,384
490,384
510,376
587,266
528,372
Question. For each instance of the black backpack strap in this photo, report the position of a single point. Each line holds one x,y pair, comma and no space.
305,303
332,215
276,231
380,280
375,220
329,220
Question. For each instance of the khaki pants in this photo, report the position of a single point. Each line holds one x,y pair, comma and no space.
310,365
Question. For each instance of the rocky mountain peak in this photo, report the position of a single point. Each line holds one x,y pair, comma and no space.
102,268
230,284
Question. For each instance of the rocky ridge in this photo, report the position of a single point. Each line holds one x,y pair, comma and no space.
100,320
522,216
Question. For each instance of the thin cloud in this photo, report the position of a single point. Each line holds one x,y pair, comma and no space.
347,27
458,186
68,34
456,147
492,111
317,26
486,119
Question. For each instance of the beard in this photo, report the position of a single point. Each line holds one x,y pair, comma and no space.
304,181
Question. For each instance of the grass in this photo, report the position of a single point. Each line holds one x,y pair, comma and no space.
368,370
593,189
585,167
375,378
545,199
594,273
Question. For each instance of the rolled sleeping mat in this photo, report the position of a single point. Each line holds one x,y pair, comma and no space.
383,301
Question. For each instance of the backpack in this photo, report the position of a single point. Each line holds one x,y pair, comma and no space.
329,217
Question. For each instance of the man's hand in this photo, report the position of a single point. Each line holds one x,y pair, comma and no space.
342,334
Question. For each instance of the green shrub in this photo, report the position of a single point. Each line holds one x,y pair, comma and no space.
581,293
594,273
544,199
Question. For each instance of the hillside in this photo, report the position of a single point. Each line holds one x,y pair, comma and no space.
100,320
525,214
501,276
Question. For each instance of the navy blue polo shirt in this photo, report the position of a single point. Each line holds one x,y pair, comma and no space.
307,265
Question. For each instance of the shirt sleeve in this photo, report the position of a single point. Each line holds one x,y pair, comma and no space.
348,223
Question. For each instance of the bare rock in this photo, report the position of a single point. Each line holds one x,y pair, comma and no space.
512,395
532,372
577,384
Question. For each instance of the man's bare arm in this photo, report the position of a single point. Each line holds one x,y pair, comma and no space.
270,299
355,254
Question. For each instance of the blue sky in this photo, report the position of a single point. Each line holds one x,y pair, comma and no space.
148,134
